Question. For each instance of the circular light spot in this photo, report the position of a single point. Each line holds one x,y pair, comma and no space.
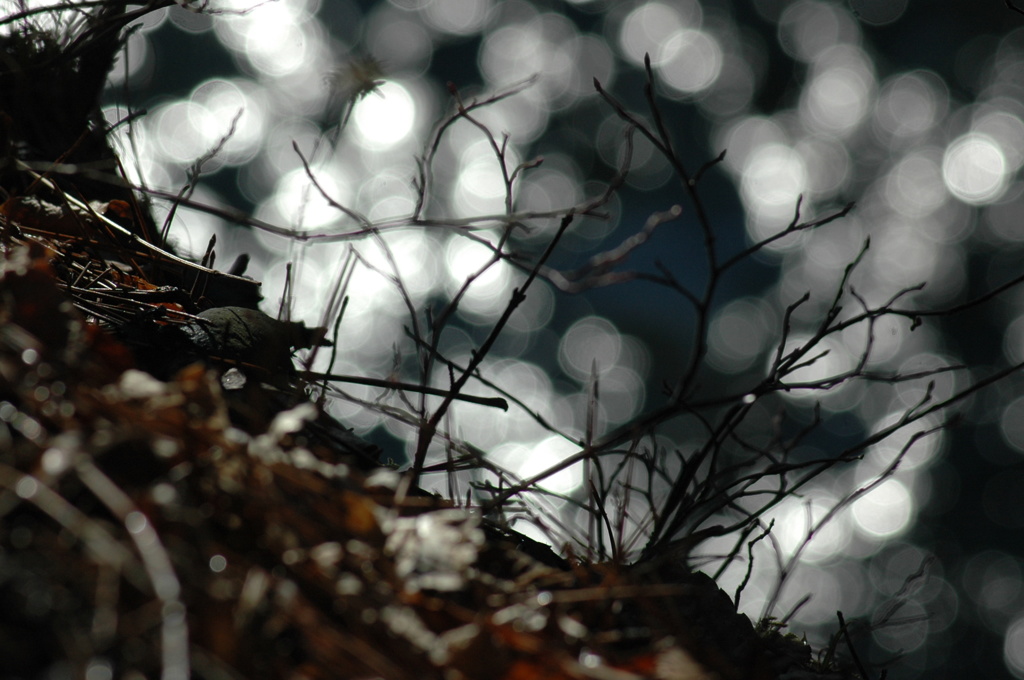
921,451
828,164
837,99
480,187
384,118
827,584
55,461
1003,221
398,41
517,377
536,311
936,382
548,46
885,511
276,38
180,130
825,361
239,115
907,259
551,188
588,342
133,60
458,17
738,335
99,669
646,28
306,285
650,26
386,195
528,461
806,29
510,53
488,292
621,393
1013,647
733,89
1011,424
410,254
593,59
1007,131
164,493
773,179
189,21
302,205
27,487
745,137
908,632
975,169
136,522
1013,340
796,517
878,12
915,186
1000,588
911,103
689,61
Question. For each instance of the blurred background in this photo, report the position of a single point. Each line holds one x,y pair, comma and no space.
912,109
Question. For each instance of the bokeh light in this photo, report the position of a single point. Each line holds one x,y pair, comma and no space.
774,178
240,112
808,28
590,347
398,40
914,186
481,188
885,511
649,28
301,204
796,519
180,129
839,95
913,450
458,17
975,169
491,281
825,361
386,117
879,12
1000,121
690,61
739,334
1013,647
135,61
1011,422
527,461
910,104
